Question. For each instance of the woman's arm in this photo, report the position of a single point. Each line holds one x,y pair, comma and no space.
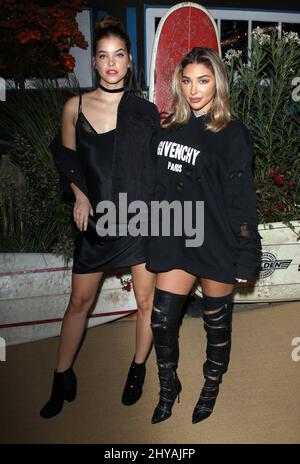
70,164
68,132
240,201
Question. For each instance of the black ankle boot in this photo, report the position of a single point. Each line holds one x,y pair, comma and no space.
170,388
206,402
134,385
63,388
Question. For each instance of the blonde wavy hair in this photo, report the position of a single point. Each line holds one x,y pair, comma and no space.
219,114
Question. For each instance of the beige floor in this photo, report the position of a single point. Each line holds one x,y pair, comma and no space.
259,401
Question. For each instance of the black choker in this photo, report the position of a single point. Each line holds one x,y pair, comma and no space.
111,90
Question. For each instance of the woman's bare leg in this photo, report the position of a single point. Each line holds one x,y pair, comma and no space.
64,386
143,284
175,281
84,290
214,288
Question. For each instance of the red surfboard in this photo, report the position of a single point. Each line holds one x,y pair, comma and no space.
184,26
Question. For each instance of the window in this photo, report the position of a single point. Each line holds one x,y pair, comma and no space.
234,34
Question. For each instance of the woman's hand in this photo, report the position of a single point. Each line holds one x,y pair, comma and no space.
81,211
241,280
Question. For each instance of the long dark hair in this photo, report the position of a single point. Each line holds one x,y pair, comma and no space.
108,26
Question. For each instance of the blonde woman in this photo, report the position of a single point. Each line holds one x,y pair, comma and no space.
204,155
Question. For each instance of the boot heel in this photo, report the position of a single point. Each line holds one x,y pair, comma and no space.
71,397
179,388
70,387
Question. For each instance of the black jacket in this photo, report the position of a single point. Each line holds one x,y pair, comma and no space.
133,167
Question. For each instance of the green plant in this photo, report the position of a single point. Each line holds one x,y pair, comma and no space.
262,97
34,215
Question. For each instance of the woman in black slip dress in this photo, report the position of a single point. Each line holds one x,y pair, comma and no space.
105,149
93,253
203,155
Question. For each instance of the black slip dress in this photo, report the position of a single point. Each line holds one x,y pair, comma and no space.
93,253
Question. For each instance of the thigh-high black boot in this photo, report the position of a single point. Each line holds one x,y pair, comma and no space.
217,317
165,326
